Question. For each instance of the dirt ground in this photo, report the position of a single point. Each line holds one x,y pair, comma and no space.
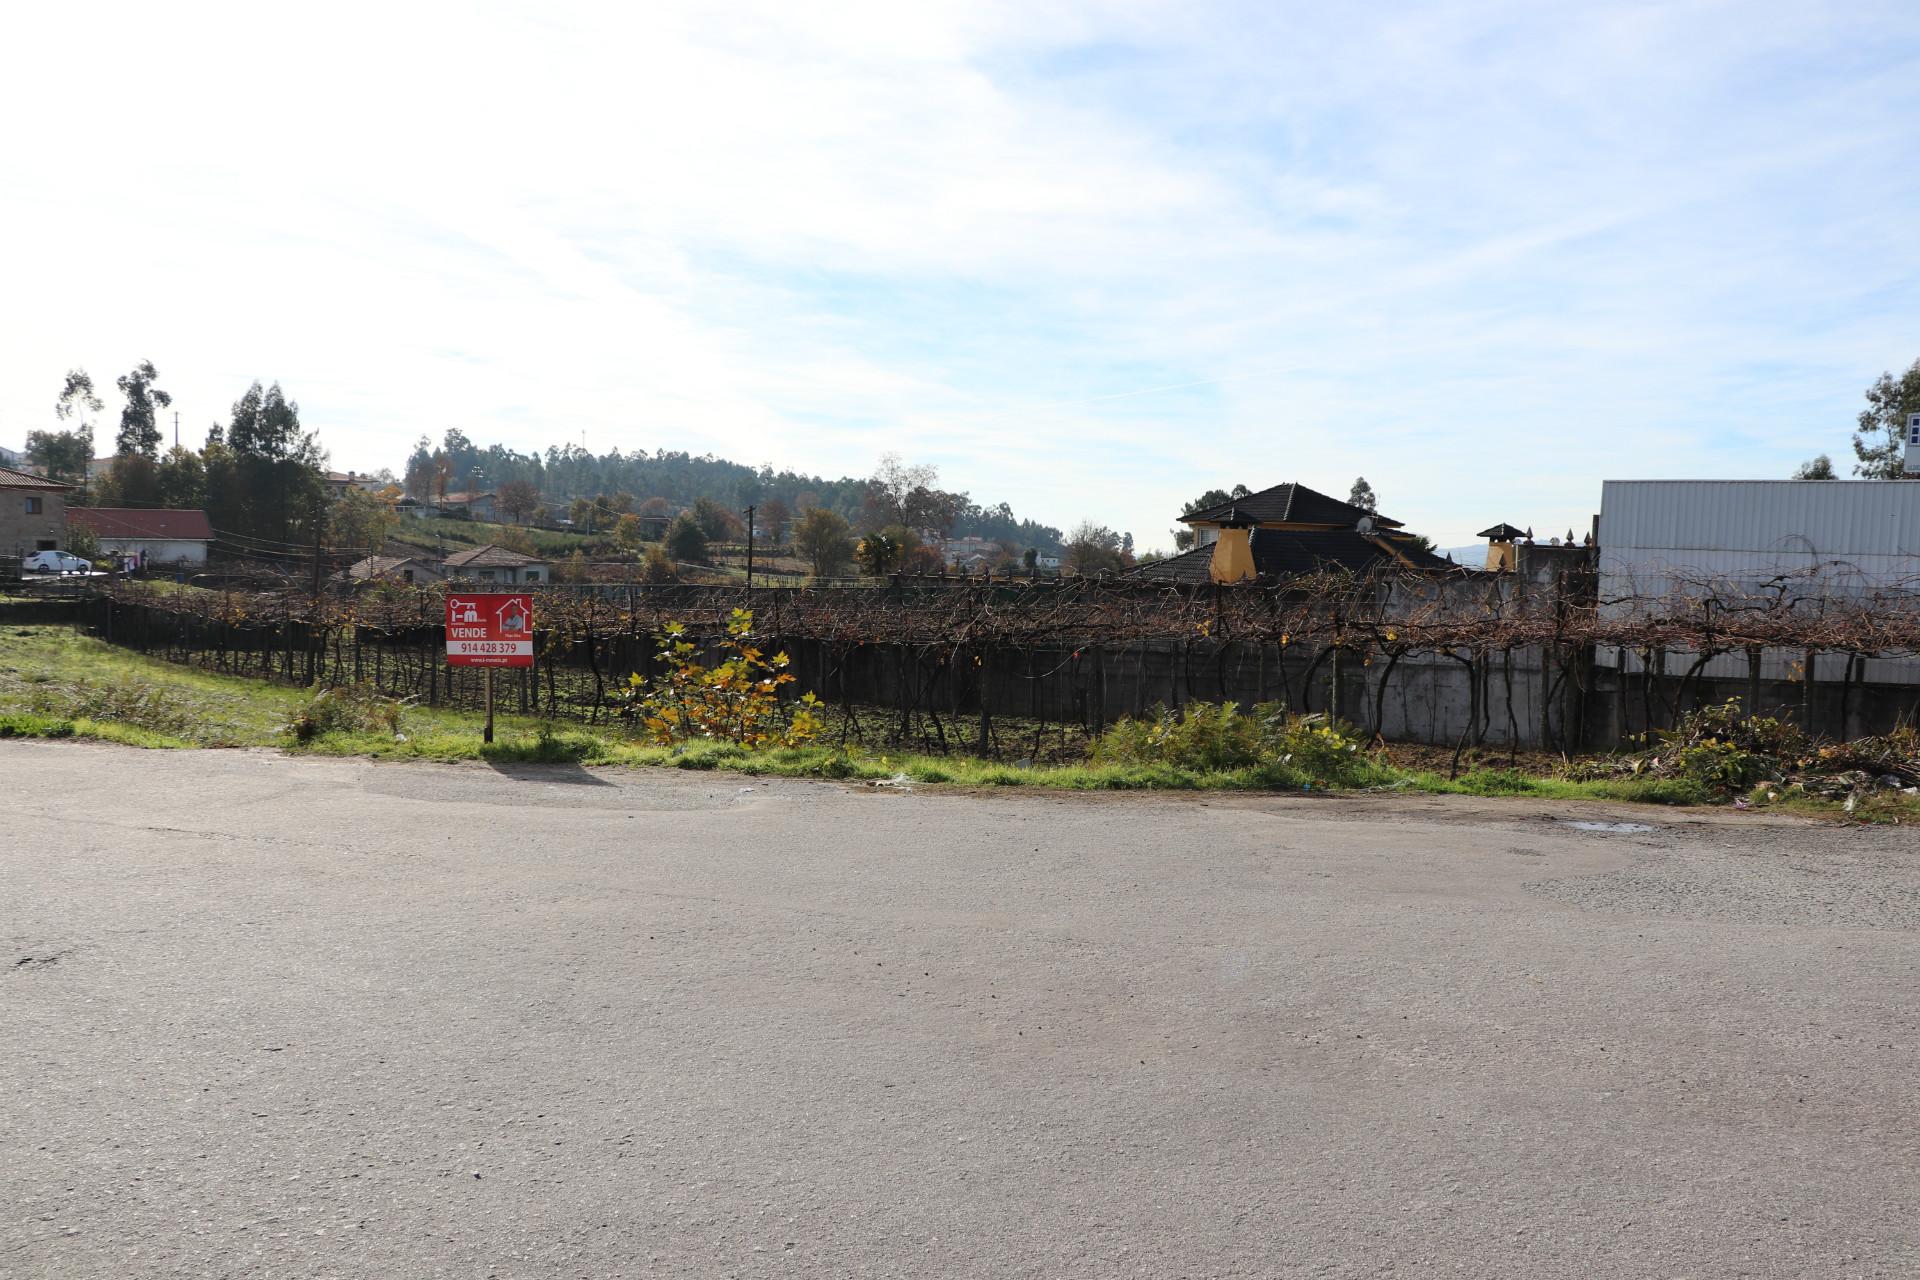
1440,760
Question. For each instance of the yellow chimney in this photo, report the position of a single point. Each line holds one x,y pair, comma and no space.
1233,551
1500,550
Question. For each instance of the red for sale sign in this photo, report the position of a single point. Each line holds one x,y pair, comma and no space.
490,630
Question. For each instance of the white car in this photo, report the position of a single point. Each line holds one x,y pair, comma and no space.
56,562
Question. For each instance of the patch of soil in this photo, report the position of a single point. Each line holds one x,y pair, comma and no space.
1433,759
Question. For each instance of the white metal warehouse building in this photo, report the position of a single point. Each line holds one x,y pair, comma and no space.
1830,537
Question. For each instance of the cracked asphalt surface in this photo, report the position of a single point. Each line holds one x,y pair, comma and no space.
296,1017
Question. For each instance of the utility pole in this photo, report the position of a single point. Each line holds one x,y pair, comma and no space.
750,511
319,522
176,428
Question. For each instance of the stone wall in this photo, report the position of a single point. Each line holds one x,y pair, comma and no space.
22,532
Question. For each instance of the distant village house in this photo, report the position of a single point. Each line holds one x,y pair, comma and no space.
475,506
498,564
964,552
405,570
338,482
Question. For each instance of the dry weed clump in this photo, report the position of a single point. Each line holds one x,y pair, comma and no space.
1726,753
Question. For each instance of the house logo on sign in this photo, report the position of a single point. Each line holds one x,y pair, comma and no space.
490,630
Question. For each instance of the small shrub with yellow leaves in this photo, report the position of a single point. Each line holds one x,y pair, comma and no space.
735,699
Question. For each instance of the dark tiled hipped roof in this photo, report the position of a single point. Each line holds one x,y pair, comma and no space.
1188,566
1279,553
1293,504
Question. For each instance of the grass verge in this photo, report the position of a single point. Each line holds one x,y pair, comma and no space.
58,684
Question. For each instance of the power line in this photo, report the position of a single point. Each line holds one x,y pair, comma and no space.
277,546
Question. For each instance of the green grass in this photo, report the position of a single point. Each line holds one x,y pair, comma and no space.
1512,782
49,673
25,725
55,683
168,587
429,532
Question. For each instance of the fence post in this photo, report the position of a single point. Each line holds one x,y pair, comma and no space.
982,745
1855,662
1100,678
1620,696
1806,691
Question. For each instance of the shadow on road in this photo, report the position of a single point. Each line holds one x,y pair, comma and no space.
559,774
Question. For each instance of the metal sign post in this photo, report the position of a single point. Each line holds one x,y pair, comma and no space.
492,630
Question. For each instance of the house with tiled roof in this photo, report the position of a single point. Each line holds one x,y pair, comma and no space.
338,482
175,538
398,569
33,513
498,564
1288,530
474,505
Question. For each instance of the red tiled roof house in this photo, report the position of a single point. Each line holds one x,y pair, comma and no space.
176,539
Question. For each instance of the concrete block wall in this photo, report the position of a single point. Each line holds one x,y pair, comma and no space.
1428,699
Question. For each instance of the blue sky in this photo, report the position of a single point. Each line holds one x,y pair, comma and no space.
1087,259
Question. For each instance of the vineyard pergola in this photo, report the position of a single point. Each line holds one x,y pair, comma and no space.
925,652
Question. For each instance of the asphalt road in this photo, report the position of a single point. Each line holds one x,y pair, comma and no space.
275,1017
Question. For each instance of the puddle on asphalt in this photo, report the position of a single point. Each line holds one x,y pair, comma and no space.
1611,828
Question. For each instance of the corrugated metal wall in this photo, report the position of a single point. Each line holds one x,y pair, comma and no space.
1850,536
1752,529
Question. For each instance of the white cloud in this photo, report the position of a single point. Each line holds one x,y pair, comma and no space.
1089,259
